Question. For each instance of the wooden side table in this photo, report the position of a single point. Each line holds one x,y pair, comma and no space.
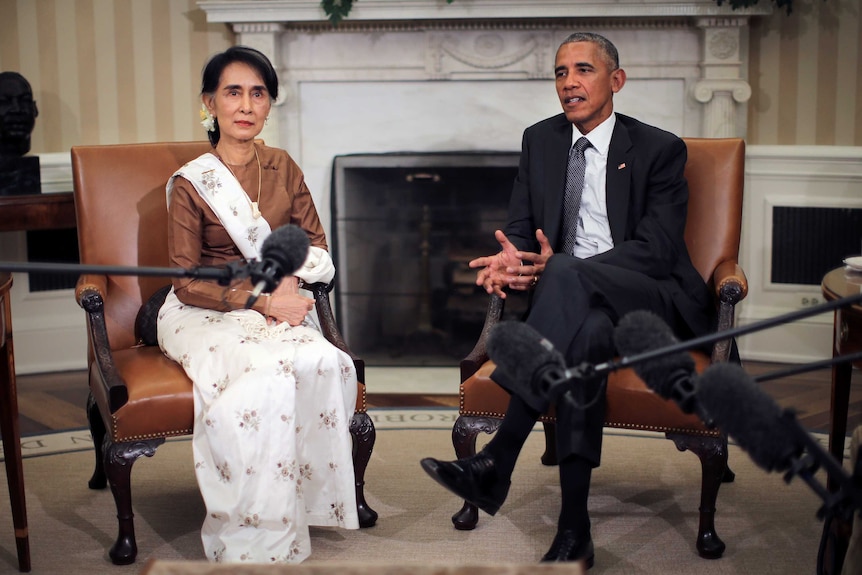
37,212
9,427
846,339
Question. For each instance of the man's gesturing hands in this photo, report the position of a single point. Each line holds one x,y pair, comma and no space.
510,267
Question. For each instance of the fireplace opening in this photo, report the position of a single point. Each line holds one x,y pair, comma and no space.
405,227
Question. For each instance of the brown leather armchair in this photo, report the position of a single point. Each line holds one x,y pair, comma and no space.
714,171
139,397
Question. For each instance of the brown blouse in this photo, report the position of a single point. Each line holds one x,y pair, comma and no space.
196,237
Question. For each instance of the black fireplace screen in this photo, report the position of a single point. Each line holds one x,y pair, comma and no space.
405,227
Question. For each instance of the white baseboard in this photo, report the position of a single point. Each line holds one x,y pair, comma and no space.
49,330
46,351
799,342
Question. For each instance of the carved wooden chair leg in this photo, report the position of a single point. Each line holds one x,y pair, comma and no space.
464,441
97,430
712,452
549,457
119,458
729,475
364,435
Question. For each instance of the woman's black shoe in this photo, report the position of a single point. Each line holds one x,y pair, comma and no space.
568,546
474,479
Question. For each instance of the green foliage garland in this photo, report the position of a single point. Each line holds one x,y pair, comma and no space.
337,10
786,4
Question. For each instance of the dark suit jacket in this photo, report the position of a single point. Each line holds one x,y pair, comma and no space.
647,198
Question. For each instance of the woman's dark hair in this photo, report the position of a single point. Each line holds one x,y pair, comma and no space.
216,65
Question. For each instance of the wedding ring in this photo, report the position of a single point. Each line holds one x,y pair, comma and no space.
535,281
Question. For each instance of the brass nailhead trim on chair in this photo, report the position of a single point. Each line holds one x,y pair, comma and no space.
364,408
685,431
147,436
547,419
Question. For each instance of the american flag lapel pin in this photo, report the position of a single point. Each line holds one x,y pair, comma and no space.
621,166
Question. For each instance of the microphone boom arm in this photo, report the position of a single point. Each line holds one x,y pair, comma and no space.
687,345
224,275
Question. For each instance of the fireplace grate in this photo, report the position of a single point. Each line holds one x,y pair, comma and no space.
406,226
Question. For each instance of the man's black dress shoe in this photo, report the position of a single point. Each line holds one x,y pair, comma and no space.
474,479
568,546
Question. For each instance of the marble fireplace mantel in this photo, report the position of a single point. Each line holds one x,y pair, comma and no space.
292,11
720,86
428,76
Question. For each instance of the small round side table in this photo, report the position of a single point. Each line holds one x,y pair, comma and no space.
846,339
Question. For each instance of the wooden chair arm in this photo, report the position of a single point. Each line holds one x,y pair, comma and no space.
328,326
479,355
731,287
90,282
89,292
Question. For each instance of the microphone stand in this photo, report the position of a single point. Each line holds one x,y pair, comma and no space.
223,275
841,504
847,498
553,381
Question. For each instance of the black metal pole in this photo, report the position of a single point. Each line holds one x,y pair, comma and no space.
729,333
224,275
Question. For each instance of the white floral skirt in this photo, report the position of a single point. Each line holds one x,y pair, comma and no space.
272,447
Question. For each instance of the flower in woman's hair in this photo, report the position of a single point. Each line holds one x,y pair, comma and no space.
207,121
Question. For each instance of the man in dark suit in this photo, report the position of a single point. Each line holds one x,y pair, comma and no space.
595,237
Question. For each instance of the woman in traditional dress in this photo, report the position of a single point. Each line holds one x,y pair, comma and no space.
273,399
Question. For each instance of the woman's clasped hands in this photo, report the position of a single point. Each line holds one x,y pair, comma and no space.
286,304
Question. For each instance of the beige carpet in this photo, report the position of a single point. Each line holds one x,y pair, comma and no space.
643,505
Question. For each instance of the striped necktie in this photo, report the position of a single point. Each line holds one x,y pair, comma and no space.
574,187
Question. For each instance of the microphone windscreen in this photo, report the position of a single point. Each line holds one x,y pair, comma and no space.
642,331
521,352
747,414
286,246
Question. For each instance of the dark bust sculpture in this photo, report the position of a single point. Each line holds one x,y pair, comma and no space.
17,114
18,111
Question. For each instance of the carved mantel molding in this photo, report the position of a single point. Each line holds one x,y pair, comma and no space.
461,40
294,11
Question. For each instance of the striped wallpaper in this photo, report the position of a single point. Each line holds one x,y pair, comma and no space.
123,71
110,71
805,75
